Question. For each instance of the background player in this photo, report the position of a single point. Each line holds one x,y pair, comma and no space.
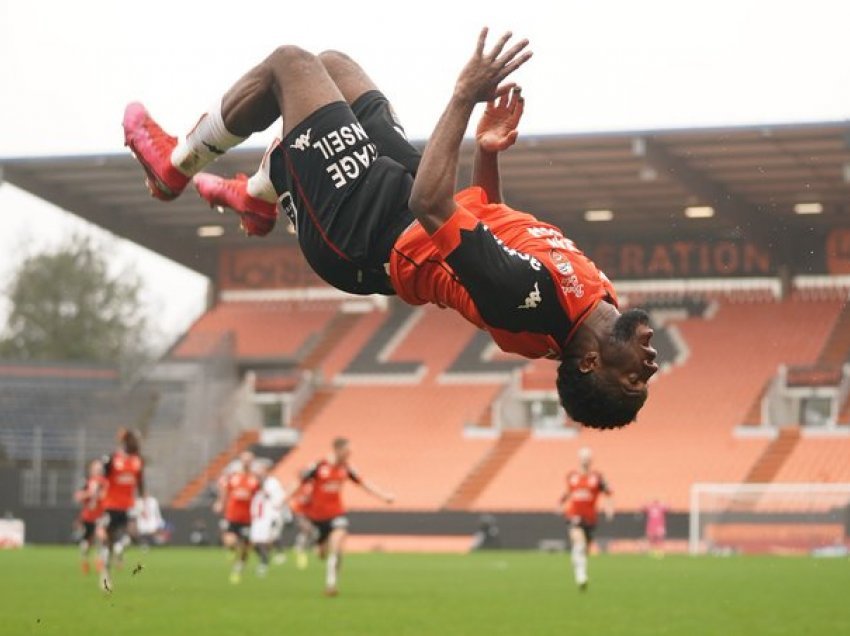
299,503
268,513
656,527
579,501
90,497
149,522
234,500
364,203
124,472
326,510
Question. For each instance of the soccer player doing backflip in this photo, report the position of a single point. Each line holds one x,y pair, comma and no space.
374,216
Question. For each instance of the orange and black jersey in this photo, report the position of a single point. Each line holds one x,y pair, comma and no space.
327,480
504,271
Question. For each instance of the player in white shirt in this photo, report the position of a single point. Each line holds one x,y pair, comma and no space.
268,513
149,521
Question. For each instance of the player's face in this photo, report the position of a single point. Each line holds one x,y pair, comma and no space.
342,453
629,354
246,459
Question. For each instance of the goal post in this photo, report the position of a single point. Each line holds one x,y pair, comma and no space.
777,518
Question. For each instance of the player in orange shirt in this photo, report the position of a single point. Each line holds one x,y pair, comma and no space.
374,216
236,491
124,473
325,509
579,505
90,497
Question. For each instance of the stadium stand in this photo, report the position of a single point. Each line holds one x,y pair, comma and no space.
687,431
212,470
818,460
407,438
269,329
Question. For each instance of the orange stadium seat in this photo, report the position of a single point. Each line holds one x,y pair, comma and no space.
266,329
818,460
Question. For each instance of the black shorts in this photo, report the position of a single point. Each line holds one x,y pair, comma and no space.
584,526
116,520
343,176
326,526
241,530
89,528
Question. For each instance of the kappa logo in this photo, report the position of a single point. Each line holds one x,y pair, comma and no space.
532,300
303,141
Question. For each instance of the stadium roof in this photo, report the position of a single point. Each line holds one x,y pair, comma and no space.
753,176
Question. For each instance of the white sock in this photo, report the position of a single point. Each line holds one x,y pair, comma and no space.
330,578
118,548
579,558
300,542
260,183
205,143
105,557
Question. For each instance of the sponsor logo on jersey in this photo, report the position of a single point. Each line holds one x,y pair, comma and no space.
571,285
565,268
533,299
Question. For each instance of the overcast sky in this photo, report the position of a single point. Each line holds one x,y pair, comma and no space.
68,69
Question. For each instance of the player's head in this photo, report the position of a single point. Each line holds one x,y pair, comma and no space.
342,449
129,441
262,467
246,461
605,385
95,468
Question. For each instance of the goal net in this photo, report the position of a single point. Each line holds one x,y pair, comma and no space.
769,518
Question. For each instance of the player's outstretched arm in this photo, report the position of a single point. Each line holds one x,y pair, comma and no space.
376,492
496,132
431,199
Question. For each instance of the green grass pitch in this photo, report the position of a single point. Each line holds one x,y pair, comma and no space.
185,592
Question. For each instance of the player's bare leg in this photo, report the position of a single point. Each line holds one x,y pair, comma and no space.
336,543
579,556
290,83
242,549
110,549
263,551
254,198
302,542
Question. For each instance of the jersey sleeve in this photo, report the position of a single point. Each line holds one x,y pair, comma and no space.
354,476
309,473
512,290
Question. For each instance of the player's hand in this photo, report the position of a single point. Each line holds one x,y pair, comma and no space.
481,78
217,507
609,514
389,499
497,129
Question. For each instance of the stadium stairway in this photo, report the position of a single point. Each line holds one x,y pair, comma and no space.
212,470
337,329
836,349
315,405
770,462
477,480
